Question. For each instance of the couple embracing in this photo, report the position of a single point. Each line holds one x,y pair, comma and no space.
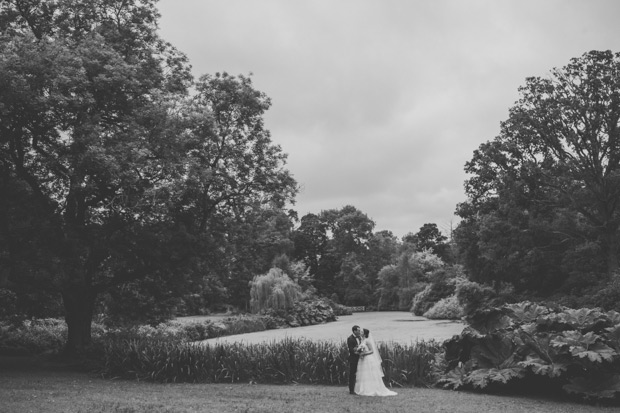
365,372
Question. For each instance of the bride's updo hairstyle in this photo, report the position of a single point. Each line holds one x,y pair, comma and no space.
366,332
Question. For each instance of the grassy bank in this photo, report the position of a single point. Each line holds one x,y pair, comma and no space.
28,385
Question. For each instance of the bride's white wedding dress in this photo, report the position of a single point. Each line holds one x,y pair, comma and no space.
369,379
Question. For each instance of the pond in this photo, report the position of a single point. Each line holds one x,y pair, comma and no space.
386,326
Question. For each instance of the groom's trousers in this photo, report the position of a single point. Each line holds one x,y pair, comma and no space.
352,372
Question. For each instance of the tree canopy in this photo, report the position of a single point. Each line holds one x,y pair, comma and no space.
543,195
110,170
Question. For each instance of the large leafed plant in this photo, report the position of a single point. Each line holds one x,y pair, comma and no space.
575,350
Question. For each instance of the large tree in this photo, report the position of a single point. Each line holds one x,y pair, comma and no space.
334,245
543,195
109,171
429,238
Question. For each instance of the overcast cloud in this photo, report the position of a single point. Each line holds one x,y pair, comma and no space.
379,103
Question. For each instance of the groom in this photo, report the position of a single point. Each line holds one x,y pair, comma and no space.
352,342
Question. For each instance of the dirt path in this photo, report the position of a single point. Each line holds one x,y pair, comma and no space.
397,326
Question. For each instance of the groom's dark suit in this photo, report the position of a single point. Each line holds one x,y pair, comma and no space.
353,359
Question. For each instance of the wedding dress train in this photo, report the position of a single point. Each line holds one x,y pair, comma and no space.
369,380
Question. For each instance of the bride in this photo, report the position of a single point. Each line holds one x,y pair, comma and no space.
369,372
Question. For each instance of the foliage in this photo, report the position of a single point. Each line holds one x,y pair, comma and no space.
36,336
447,308
345,258
400,282
334,245
542,196
337,308
183,331
48,335
606,296
286,361
274,290
150,300
406,295
303,313
575,350
433,293
388,279
112,173
474,297
429,238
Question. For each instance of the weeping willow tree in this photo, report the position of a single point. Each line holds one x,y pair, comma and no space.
274,290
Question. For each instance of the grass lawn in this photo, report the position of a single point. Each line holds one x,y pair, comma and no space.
30,385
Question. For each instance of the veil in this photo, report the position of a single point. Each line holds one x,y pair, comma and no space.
375,354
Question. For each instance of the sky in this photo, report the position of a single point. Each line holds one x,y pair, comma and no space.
380,103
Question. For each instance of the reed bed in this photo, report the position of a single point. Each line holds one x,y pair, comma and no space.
288,361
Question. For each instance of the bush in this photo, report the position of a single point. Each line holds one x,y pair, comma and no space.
407,294
445,309
338,309
38,335
305,313
426,299
473,296
607,296
182,331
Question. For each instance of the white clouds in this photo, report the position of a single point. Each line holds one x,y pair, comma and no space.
379,104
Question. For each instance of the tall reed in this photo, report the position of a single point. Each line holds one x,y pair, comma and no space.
410,365
277,362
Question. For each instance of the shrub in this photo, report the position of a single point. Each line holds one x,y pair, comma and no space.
608,295
338,309
509,347
244,324
182,331
39,335
445,309
425,262
305,313
36,336
196,331
473,296
425,299
407,294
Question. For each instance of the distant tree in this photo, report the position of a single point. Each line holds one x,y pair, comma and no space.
274,290
337,243
429,238
310,241
400,282
388,280
383,248
351,231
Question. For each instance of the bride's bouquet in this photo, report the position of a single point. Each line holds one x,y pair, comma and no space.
361,348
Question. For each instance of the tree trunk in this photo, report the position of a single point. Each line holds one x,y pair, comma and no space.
79,305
